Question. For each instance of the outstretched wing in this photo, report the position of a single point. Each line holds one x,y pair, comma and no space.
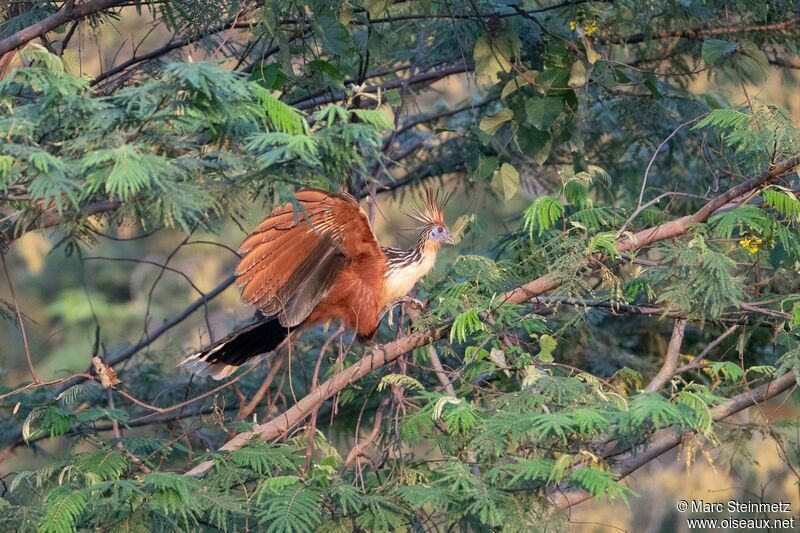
292,258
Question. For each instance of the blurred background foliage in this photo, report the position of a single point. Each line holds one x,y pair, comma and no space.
142,140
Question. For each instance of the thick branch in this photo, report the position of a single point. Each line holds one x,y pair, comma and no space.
174,45
279,425
671,359
664,231
387,353
702,33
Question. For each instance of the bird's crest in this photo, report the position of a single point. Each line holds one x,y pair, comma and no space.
428,208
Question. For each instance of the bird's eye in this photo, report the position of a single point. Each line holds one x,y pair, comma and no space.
439,229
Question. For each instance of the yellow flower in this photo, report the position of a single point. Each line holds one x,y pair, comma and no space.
572,25
590,28
751,243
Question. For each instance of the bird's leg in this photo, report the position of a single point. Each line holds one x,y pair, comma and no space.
408,302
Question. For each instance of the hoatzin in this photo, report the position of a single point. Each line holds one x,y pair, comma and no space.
317,260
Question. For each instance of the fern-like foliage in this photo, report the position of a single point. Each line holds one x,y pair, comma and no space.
542,214
784,203
64,508
294,509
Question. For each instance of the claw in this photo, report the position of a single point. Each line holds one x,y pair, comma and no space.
412,308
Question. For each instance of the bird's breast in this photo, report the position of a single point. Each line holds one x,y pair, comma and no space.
400,280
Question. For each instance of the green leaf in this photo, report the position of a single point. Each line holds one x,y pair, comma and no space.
376,7
716,49
283,117
375,118
274,485
786,203
604,242
63,508
506,181
268,76
601,483
534,143
554,78
295,509
795,321
542,112
334,36
746,56
484,169
325,68
399,380
392,97
102,465
546,346
521,80
493,123
757,57
495,55
725,119
466,324
577,75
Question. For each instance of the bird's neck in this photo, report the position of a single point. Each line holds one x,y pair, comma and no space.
406,267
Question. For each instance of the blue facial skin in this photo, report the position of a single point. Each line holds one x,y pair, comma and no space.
440,233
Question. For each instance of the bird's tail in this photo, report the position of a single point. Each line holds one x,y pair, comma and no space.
226,355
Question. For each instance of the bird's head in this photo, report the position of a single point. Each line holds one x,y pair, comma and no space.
429,209
440,232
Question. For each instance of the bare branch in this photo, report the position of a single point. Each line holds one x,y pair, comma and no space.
438,369
53,218
670,359
697,361
166,326
427,77
701,33
67,13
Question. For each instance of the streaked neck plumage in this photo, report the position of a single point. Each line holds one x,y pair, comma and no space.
406,267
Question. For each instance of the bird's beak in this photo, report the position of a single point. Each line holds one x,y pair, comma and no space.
449,239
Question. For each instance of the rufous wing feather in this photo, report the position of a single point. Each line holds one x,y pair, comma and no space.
292,258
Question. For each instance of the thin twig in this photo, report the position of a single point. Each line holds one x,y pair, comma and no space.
650,165
164,410
697,361
19,321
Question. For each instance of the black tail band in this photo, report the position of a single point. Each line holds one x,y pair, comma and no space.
226,355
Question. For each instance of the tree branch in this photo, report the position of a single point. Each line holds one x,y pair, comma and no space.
15,230
665,439
376,358
702,33
169,47
166,326
671,359
427,77
382,355
67,13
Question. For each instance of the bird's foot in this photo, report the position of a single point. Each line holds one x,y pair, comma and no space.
411,307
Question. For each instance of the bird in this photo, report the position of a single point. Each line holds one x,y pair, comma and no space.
314,260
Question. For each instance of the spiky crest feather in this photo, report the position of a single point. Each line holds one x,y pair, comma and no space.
429,208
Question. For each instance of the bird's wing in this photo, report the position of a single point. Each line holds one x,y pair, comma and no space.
291,259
